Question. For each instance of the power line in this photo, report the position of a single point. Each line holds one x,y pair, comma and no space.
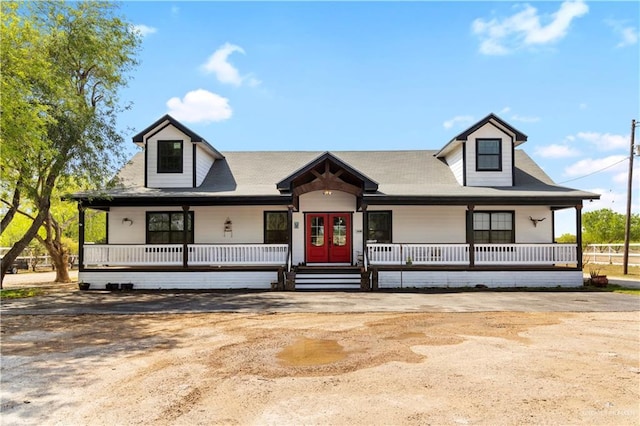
597,171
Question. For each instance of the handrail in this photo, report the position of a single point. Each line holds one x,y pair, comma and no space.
171,254
484,254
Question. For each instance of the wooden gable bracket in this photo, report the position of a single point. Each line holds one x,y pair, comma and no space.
327,181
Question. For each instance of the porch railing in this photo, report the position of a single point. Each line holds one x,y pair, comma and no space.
484,254
238,254
171,254
418,254
525,254
132,254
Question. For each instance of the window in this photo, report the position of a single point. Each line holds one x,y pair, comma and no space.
493,228
276,230
379,226
167,228
169,156
489,155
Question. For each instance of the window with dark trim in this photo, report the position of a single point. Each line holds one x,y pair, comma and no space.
169,156
493,228
379,224
489,155
168,228
276,230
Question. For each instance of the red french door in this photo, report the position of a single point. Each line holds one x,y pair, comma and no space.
328,238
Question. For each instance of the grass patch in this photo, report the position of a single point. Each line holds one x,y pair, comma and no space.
18,293
613,288
625,290
614,270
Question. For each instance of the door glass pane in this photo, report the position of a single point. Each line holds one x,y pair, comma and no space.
339,231
317,231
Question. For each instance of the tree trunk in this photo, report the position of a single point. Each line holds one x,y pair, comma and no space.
18,247
13,208
61,263
58,252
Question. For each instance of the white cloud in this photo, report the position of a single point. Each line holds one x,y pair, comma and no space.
218,64
628,34
144,30
612,163
504,110
582,105
623,176
200,106
525,119
458,119
556,151
175,10
604,141
524,29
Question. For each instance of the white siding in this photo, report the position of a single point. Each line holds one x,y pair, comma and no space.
411,224
204,161
181,280
454,160
493,279
387,279
503,178
338,201
247,224
427,224
169,180
125,233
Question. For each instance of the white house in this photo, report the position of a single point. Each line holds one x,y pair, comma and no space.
477,211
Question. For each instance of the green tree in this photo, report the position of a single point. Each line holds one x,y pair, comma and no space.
605,226
566,239
88,51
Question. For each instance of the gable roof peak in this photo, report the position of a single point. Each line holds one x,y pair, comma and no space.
139,138
492,118
368,183
519,136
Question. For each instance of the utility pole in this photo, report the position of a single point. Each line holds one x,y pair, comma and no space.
627,229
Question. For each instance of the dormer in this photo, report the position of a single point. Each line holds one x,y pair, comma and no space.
483,155
174,156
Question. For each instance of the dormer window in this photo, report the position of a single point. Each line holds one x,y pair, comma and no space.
489,155
170,157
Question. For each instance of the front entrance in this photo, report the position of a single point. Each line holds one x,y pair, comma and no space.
328,238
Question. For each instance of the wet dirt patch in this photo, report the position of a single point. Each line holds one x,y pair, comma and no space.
307,352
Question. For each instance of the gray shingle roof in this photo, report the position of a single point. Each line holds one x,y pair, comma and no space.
398,173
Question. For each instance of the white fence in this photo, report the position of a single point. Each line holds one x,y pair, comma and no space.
611,254
172,254
458,254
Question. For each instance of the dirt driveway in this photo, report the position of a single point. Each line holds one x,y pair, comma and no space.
409,368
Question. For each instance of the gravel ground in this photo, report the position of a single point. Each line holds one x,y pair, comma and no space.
321,368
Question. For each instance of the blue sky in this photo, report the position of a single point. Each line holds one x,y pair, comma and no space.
390,76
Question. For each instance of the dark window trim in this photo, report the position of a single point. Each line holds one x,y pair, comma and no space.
193,165
160,169
264,225
499,168
169,212
513,224
390,212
